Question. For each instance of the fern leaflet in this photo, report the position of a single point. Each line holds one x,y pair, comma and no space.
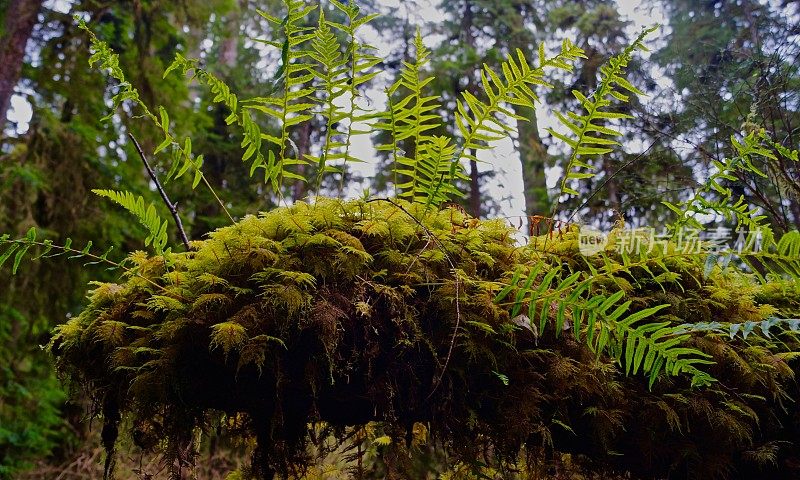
480,122
146,214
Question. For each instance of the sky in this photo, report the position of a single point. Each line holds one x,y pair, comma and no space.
507,185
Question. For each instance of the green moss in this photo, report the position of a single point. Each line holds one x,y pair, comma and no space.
355,312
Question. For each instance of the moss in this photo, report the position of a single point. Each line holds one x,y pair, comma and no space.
354,312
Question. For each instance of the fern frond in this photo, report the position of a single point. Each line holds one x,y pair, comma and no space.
430,166
652,347
745,329
715,197
146,214
333,73
586,137
18,248
294,106
251,132
766,256
484,121
182,158
434,166
341,76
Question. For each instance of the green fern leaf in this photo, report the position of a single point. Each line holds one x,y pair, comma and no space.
146,214
585,138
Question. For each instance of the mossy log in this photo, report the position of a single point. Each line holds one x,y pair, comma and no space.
355,312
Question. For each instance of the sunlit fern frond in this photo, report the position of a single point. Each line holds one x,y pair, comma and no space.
296,102
341,74
429,163
435,163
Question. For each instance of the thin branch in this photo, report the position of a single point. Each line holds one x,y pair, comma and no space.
431,236
173,208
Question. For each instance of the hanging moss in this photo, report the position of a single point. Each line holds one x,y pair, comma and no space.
356,312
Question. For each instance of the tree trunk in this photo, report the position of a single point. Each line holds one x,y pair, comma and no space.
474,175
19,18
532,153
532,156
474,189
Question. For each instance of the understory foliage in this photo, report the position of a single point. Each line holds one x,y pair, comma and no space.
405,317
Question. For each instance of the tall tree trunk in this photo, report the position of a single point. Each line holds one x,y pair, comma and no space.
532,156
474,175
19,17
794,206
474,188
532,153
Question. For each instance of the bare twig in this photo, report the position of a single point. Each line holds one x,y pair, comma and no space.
173,208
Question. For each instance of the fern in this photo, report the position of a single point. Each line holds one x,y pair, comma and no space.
294,106
430,164
19,248
332,72
587,138
342,75
251,132
778,258
738,210
480,122
182,158
744,329
146,214
651,348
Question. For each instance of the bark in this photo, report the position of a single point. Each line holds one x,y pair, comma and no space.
533,157
19,18
474,189
532,152
794,205
474,175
